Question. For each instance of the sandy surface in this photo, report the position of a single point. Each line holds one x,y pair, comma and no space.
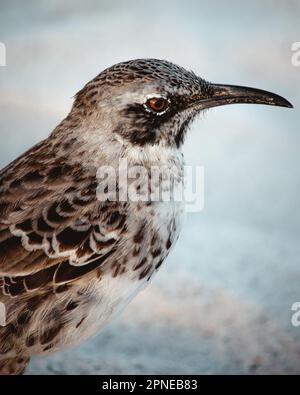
222,304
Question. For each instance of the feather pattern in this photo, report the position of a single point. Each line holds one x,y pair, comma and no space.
70,261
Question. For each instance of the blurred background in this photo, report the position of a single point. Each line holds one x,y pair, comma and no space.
222,303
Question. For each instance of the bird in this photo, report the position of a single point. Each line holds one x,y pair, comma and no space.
71,258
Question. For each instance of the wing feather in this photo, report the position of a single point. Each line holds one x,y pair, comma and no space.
52,227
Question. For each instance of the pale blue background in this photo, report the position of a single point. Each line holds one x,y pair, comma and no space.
222,304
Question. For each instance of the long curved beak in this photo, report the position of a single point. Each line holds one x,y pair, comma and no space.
232,94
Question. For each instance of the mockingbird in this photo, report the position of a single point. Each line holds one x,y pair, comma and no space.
69,260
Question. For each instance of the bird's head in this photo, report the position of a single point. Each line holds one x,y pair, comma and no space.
150,101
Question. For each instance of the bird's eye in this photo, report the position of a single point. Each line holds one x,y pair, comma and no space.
158,104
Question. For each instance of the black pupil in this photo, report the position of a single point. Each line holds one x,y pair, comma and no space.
159,104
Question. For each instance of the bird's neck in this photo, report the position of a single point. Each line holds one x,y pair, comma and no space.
86,143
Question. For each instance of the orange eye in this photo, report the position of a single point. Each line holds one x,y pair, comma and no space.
158,104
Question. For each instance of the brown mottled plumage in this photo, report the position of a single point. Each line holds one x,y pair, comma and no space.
69,260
